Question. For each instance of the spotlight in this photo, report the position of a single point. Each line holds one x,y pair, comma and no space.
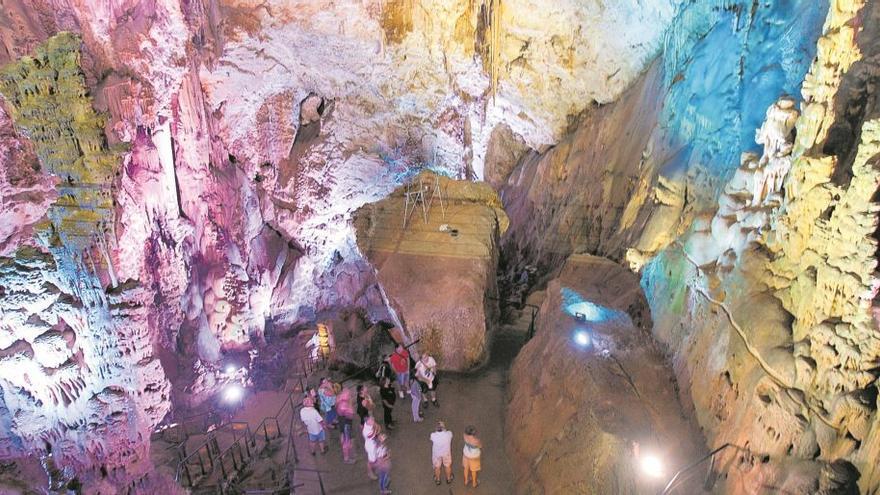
582,338
233,393
580,316
651,466
230,369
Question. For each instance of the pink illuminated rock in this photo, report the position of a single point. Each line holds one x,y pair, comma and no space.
25,192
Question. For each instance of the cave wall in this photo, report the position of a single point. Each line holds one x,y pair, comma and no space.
774,324
630,175
210,156
750,213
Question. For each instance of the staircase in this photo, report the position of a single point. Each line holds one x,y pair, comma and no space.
232,457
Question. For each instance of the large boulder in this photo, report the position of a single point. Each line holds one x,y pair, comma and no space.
592,397
439,274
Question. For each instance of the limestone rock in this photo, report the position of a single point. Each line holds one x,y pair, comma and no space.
502,154
439,275
575,410
776,329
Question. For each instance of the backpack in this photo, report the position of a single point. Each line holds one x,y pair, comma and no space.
381,372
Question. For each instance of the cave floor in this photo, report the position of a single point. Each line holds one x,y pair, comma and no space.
477,399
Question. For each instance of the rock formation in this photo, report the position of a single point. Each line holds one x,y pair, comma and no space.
439,274
578,406
182,181
760,279
772,324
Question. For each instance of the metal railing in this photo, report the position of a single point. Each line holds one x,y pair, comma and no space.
677,478
199,465
180,430
521,305
291,444
208,452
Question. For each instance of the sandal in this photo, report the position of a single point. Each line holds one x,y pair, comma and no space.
449,479
437,481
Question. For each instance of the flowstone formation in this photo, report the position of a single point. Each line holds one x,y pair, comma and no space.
77,372
631,175
46,95
439,274
772,322
80,383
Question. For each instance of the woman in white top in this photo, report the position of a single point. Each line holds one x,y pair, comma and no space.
426,372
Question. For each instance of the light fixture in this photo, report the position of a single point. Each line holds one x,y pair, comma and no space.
233,393
230,369
580,316
582,338
651,466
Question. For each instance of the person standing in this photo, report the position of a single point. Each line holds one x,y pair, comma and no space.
383,464
426,372
389,397
327,395
345,412
314,425
415,393
441,452
370,431
312,393
364,403
471,455
385,370
400,364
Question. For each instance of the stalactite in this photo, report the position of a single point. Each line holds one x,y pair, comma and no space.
492,56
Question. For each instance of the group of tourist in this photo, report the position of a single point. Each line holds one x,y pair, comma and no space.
332,406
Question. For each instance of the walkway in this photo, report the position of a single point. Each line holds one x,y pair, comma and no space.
476,398
465,399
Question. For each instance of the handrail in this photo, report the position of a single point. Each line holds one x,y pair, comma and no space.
241,458
207,444
293,407
250,436
711,455
183,424
522,305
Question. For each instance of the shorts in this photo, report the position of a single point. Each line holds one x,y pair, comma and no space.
445,460
402,378
317,438
470,463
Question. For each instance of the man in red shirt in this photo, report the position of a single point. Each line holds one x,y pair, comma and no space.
400,365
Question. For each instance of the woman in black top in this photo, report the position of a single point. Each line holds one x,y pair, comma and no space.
364,403
389,397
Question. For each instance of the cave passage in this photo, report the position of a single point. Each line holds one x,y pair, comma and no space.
633,244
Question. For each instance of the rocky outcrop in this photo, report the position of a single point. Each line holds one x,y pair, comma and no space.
633,173
78,369
771,317
587,194
578,406
439,274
